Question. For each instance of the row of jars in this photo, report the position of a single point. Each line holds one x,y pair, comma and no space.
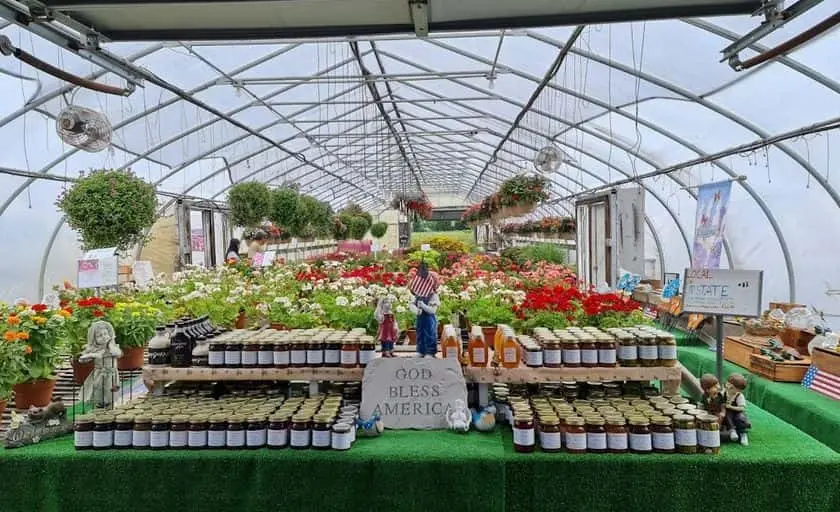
641,426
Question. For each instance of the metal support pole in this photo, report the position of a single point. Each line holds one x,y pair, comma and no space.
719,347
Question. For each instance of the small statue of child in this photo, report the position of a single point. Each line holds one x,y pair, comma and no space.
389,330
713,400
736,420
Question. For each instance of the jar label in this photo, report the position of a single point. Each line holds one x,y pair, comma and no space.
663,441
233,357
571,355
617,441
640,442
628,353
348,357
596,440
178,439
321,438
589,356
266,358
123,437
249,357
523,436
478,355
103,439
332,356
667,351
235,438
159,356
256,437
216,358
341,441
366,356
140,438
576,441
510,354
278,437
709,438
216,438
550,440
553,356
685,437
197,438
606,356
281,358
648,352
83,439
159,438
298,357
300,438
534,358
315,356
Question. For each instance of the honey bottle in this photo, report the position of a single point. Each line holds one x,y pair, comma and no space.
451,346
499,339
511,354
478,348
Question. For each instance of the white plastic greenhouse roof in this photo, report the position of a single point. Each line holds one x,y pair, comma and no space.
628,99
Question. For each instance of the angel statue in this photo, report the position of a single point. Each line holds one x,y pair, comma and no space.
102,384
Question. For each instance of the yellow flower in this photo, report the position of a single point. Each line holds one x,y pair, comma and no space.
65,313
39,320
135,314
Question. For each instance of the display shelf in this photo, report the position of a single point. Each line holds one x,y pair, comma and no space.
214,374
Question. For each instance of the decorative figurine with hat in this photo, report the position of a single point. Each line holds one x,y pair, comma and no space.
425,303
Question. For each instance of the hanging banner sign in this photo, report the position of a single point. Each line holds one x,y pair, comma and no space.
723,292
712,203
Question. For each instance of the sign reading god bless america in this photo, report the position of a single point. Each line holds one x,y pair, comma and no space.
408,392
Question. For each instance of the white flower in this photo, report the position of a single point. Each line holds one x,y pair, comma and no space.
400,309
262,308
231,300
306,287
341,301
464,295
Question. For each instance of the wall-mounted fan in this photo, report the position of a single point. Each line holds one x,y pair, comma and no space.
84,128
548,160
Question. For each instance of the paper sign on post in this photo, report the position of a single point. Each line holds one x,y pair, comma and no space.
268,258
98,268
257,260
142,272
723,292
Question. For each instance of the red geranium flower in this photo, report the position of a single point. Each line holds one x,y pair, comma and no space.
40,308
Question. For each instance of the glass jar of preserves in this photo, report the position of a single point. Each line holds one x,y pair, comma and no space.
83,433
588,352
571,353
123,431
255,435
301,431
103,432
282,358
685,434
217,432
571,391
250,354
159,436
235,433
179,431
350,354
662,434
197,436
341,437
607,352
141,433
648,350
667,349
315,353
616,427
552,354
233,354
367,350
534,356
322,431
596,434
550,435
332,353
297,353
265,359
523,433
575,437
708,434
628,353
278,430
639,435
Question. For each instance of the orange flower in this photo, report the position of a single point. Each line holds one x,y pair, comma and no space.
13,320
65,313
27,350
23,335
10,336
39,320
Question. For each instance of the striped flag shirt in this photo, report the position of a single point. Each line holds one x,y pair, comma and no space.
822,382
423,287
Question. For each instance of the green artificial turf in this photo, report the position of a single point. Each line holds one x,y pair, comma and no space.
783,469
809,411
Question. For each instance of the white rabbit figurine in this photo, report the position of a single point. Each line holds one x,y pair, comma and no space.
458,417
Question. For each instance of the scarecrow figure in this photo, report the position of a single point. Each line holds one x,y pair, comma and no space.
426,301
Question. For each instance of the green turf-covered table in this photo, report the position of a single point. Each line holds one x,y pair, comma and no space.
783,469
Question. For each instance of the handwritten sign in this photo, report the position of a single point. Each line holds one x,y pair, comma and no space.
412,392
723,292
98,268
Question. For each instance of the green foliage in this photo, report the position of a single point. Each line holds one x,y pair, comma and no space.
465,239
489,311
109,208
11,366
378,229
339,228
534,253
284,203
423,226
357,227
250,203
548,319
431,257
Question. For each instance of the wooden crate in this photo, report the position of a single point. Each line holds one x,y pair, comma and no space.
785,371
826,360
797,338
738,349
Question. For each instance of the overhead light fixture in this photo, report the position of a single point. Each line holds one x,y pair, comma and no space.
420,16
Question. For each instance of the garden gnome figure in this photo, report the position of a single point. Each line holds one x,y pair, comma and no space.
101,386
424,288
713,400
736,419
389,330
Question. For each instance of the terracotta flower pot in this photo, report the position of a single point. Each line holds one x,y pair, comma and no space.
411,334
489,334
241,321
80,370
36,392
132,359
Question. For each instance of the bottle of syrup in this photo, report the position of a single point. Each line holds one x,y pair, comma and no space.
451,346
478,348
511,354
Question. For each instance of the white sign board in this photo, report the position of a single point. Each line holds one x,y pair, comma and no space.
269,258
425,247
411,392
98,268
723,292
142,272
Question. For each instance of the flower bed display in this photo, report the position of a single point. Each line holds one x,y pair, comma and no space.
417,204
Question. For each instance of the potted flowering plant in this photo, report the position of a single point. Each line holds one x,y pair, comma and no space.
79,312
134,324
12,353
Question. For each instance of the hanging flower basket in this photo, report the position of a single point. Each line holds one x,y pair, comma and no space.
516,210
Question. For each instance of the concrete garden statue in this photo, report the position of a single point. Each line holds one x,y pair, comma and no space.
101,386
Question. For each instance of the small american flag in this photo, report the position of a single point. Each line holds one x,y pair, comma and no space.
822,382
424,287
